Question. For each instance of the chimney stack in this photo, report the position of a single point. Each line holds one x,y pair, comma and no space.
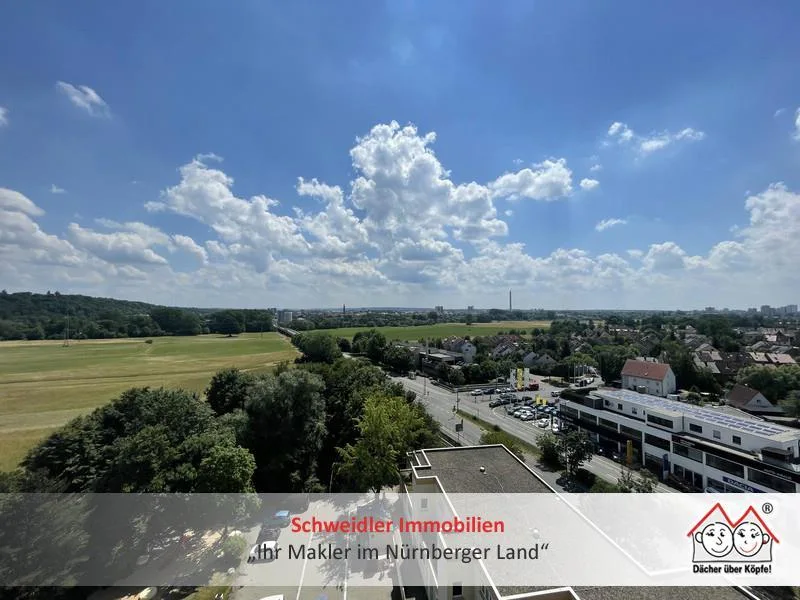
509,299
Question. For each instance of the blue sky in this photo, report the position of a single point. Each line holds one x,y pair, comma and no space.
698,179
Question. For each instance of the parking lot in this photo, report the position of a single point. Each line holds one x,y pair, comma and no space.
313,579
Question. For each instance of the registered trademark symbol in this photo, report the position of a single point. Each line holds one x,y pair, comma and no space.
766,508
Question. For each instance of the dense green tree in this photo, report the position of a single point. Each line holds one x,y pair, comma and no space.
347,384
285,429
176,321
549,449
227,390
456,377
775,384
387,432
147,440
576,449
225,323
791,404
317,346
398,358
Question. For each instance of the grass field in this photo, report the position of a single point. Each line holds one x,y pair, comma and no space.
442,330
44,384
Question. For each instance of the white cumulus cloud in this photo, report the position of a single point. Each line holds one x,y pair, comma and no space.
54,189
589,184
3,116
796,133
547,180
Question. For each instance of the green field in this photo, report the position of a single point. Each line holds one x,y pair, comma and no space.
44,384
441,330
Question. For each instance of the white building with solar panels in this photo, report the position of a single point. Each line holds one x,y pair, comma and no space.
702,447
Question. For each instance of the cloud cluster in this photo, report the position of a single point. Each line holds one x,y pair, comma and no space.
647,144
3,116
403,232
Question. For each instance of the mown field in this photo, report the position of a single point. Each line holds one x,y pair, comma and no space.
44,384
442,330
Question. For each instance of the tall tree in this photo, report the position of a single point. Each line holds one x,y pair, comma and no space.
317,346
386,433
577,449
285,430
227,390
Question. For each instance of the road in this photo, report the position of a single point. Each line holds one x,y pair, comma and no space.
439,402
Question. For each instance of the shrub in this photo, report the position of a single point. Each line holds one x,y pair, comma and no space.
148,341
233,548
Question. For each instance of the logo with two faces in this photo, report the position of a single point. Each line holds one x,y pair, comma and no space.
716,538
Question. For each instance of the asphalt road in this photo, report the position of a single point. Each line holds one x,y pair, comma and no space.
440,402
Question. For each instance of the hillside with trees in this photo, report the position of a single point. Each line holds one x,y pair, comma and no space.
27,316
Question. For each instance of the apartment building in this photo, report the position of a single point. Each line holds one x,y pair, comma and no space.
493,469
703,447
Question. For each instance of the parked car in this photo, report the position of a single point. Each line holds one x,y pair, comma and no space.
268,534
279,519
555,428
555,393
528,416
510,410
265,551
543,423
476,393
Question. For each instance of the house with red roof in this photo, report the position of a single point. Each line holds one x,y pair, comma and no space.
654,378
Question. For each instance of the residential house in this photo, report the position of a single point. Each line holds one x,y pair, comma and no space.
751,400
539,362
653,378
465,348
781,359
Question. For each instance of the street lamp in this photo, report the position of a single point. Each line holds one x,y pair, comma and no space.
333,470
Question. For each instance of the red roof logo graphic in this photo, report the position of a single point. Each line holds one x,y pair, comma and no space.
733,524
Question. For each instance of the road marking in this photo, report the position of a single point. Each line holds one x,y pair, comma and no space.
305,563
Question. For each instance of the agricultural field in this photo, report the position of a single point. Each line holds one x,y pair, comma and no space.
45,384
442,330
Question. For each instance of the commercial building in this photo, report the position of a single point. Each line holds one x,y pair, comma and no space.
285,317
493,469
701,447
648,377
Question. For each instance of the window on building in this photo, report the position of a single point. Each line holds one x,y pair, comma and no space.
589,418
656,441
717,435
619,406
737,440
608,402
457,590
771,481
659,421
686,452
608,424
723,464
635,433
634,411
695,428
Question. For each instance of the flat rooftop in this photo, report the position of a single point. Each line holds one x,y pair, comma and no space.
459,471
778,433
658,593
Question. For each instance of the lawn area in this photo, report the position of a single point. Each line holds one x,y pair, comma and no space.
442,330
45,384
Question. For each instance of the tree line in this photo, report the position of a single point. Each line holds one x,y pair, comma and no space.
55,316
